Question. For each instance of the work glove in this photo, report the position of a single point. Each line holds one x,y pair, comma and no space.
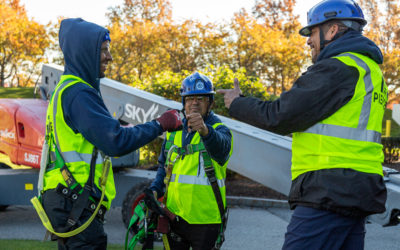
170,121
155,206
151,202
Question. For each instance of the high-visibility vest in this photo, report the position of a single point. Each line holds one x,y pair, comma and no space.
350,138
190,194
71,148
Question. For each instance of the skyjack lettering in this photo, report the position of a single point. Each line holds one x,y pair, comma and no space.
139,114
7,134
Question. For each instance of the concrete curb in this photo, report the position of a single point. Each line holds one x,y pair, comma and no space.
256,202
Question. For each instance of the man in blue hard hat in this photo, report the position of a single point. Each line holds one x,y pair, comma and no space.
192,171
335,111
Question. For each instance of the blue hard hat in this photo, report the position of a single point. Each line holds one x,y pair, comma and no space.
334,10
197,84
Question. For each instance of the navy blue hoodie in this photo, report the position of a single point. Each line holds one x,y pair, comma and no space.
83,107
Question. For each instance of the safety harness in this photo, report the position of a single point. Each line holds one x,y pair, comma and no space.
143,222
210,172
80,196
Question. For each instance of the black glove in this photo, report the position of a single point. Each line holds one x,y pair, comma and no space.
170,121
151,202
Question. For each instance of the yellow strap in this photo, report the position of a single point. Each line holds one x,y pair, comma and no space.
46,222
165,241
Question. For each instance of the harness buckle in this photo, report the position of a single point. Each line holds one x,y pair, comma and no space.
189,149
71,222
210,172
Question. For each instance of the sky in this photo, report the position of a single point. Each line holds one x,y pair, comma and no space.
44,11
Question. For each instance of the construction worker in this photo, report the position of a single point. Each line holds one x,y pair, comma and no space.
335,111
193,163
81,132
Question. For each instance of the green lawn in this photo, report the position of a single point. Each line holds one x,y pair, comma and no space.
47,245
17,93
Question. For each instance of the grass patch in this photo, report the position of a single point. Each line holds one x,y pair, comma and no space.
48,245
18,93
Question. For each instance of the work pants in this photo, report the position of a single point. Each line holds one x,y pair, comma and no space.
198,236
315,229
58,208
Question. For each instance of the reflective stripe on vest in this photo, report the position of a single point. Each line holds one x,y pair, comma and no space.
349,138
360,133
73,156
196,180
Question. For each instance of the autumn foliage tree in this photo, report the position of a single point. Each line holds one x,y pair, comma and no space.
148,41
268,44
22,45
384,29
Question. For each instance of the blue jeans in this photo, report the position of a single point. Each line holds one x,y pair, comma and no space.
315,229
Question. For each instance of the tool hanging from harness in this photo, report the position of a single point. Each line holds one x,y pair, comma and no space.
151,215
143,222
210,173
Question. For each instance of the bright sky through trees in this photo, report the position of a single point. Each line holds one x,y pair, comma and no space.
44,11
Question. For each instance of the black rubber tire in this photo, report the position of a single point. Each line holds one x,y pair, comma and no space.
128,205
4,166
3,207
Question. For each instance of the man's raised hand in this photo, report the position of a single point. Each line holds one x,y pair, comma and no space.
230,94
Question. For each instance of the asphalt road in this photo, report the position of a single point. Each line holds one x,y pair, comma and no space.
248,228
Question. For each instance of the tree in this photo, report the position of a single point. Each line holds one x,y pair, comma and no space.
133,11
22,45
384,29
151,43
268,44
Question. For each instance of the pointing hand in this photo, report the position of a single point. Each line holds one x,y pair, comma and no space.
230,94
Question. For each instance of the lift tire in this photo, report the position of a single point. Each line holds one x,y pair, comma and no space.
132,198
3,207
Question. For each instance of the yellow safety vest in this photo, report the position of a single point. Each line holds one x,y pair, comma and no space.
350,138
70,147
190,195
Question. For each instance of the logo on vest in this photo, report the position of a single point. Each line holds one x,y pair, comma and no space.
139,114
381,97
7,134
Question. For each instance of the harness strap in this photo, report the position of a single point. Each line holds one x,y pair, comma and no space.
83,199
210,172
45,220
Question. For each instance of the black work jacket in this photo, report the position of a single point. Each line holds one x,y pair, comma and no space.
322,90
